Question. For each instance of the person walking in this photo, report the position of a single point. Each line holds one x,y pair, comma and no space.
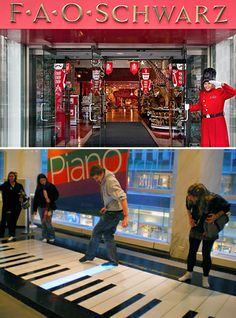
211,104
115,209
12,195
44,201
202,207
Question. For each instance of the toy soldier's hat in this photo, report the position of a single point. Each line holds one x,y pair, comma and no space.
209,74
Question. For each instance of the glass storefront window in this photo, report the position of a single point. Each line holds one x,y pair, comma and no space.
147,224
227,239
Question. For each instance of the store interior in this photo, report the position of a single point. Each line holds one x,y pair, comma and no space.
149,88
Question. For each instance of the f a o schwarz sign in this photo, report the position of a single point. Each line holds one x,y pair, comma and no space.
117,14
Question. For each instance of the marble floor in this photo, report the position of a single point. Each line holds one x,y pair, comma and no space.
51,279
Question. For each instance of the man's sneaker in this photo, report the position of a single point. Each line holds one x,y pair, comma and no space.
205,282
110,264
51,240
44,240
85,259
10,238
186,276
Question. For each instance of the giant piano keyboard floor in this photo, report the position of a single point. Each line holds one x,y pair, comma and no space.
52,280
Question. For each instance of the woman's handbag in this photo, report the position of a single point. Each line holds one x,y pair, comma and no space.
212,229
24,200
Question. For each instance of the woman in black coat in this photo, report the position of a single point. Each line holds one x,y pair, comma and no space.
203,208
12,194
44,201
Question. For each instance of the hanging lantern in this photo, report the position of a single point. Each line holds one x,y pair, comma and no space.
134,67
109,68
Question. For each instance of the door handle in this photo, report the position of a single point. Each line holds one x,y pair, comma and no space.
90,113
41,112
186,119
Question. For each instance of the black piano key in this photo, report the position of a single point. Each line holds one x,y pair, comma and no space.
38,270
23,263
77,289
94,293
10,256
190,314
18,259
3,246
69,283
121,306
141,311
6,249
48,274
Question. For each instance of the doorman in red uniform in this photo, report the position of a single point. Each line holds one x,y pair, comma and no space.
211,104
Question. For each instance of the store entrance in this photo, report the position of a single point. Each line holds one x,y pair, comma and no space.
82,96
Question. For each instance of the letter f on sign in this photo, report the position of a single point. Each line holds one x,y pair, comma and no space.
14,11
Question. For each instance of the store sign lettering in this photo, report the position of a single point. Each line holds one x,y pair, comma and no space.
102,13
81,169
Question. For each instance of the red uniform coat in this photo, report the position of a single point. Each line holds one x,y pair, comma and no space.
214,130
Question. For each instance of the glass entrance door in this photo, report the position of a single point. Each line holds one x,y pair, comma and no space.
42,131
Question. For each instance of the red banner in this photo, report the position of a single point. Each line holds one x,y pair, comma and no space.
179,75
69,171
59,82
117,14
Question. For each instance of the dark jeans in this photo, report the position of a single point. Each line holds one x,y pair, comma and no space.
48,231
206,254
10,218
106,228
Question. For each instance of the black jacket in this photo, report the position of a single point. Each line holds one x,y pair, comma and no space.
215,203
39,200
11,196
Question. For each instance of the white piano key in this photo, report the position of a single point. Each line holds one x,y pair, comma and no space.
191,302
15,262
161,289
76,268
70,265
124,282
87,271
55,259
228,309
170,300
127,293
102,276
212,305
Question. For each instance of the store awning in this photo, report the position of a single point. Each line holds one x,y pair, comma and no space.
119,37
128,21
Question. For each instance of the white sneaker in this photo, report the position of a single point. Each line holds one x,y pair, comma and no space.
51,240
10,238
205,282
186,276
44,240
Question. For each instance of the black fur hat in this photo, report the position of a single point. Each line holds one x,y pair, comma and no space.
209,74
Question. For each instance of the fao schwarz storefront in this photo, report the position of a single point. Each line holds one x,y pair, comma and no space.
72,71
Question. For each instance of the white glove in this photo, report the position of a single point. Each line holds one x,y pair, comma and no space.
216,84
186,107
